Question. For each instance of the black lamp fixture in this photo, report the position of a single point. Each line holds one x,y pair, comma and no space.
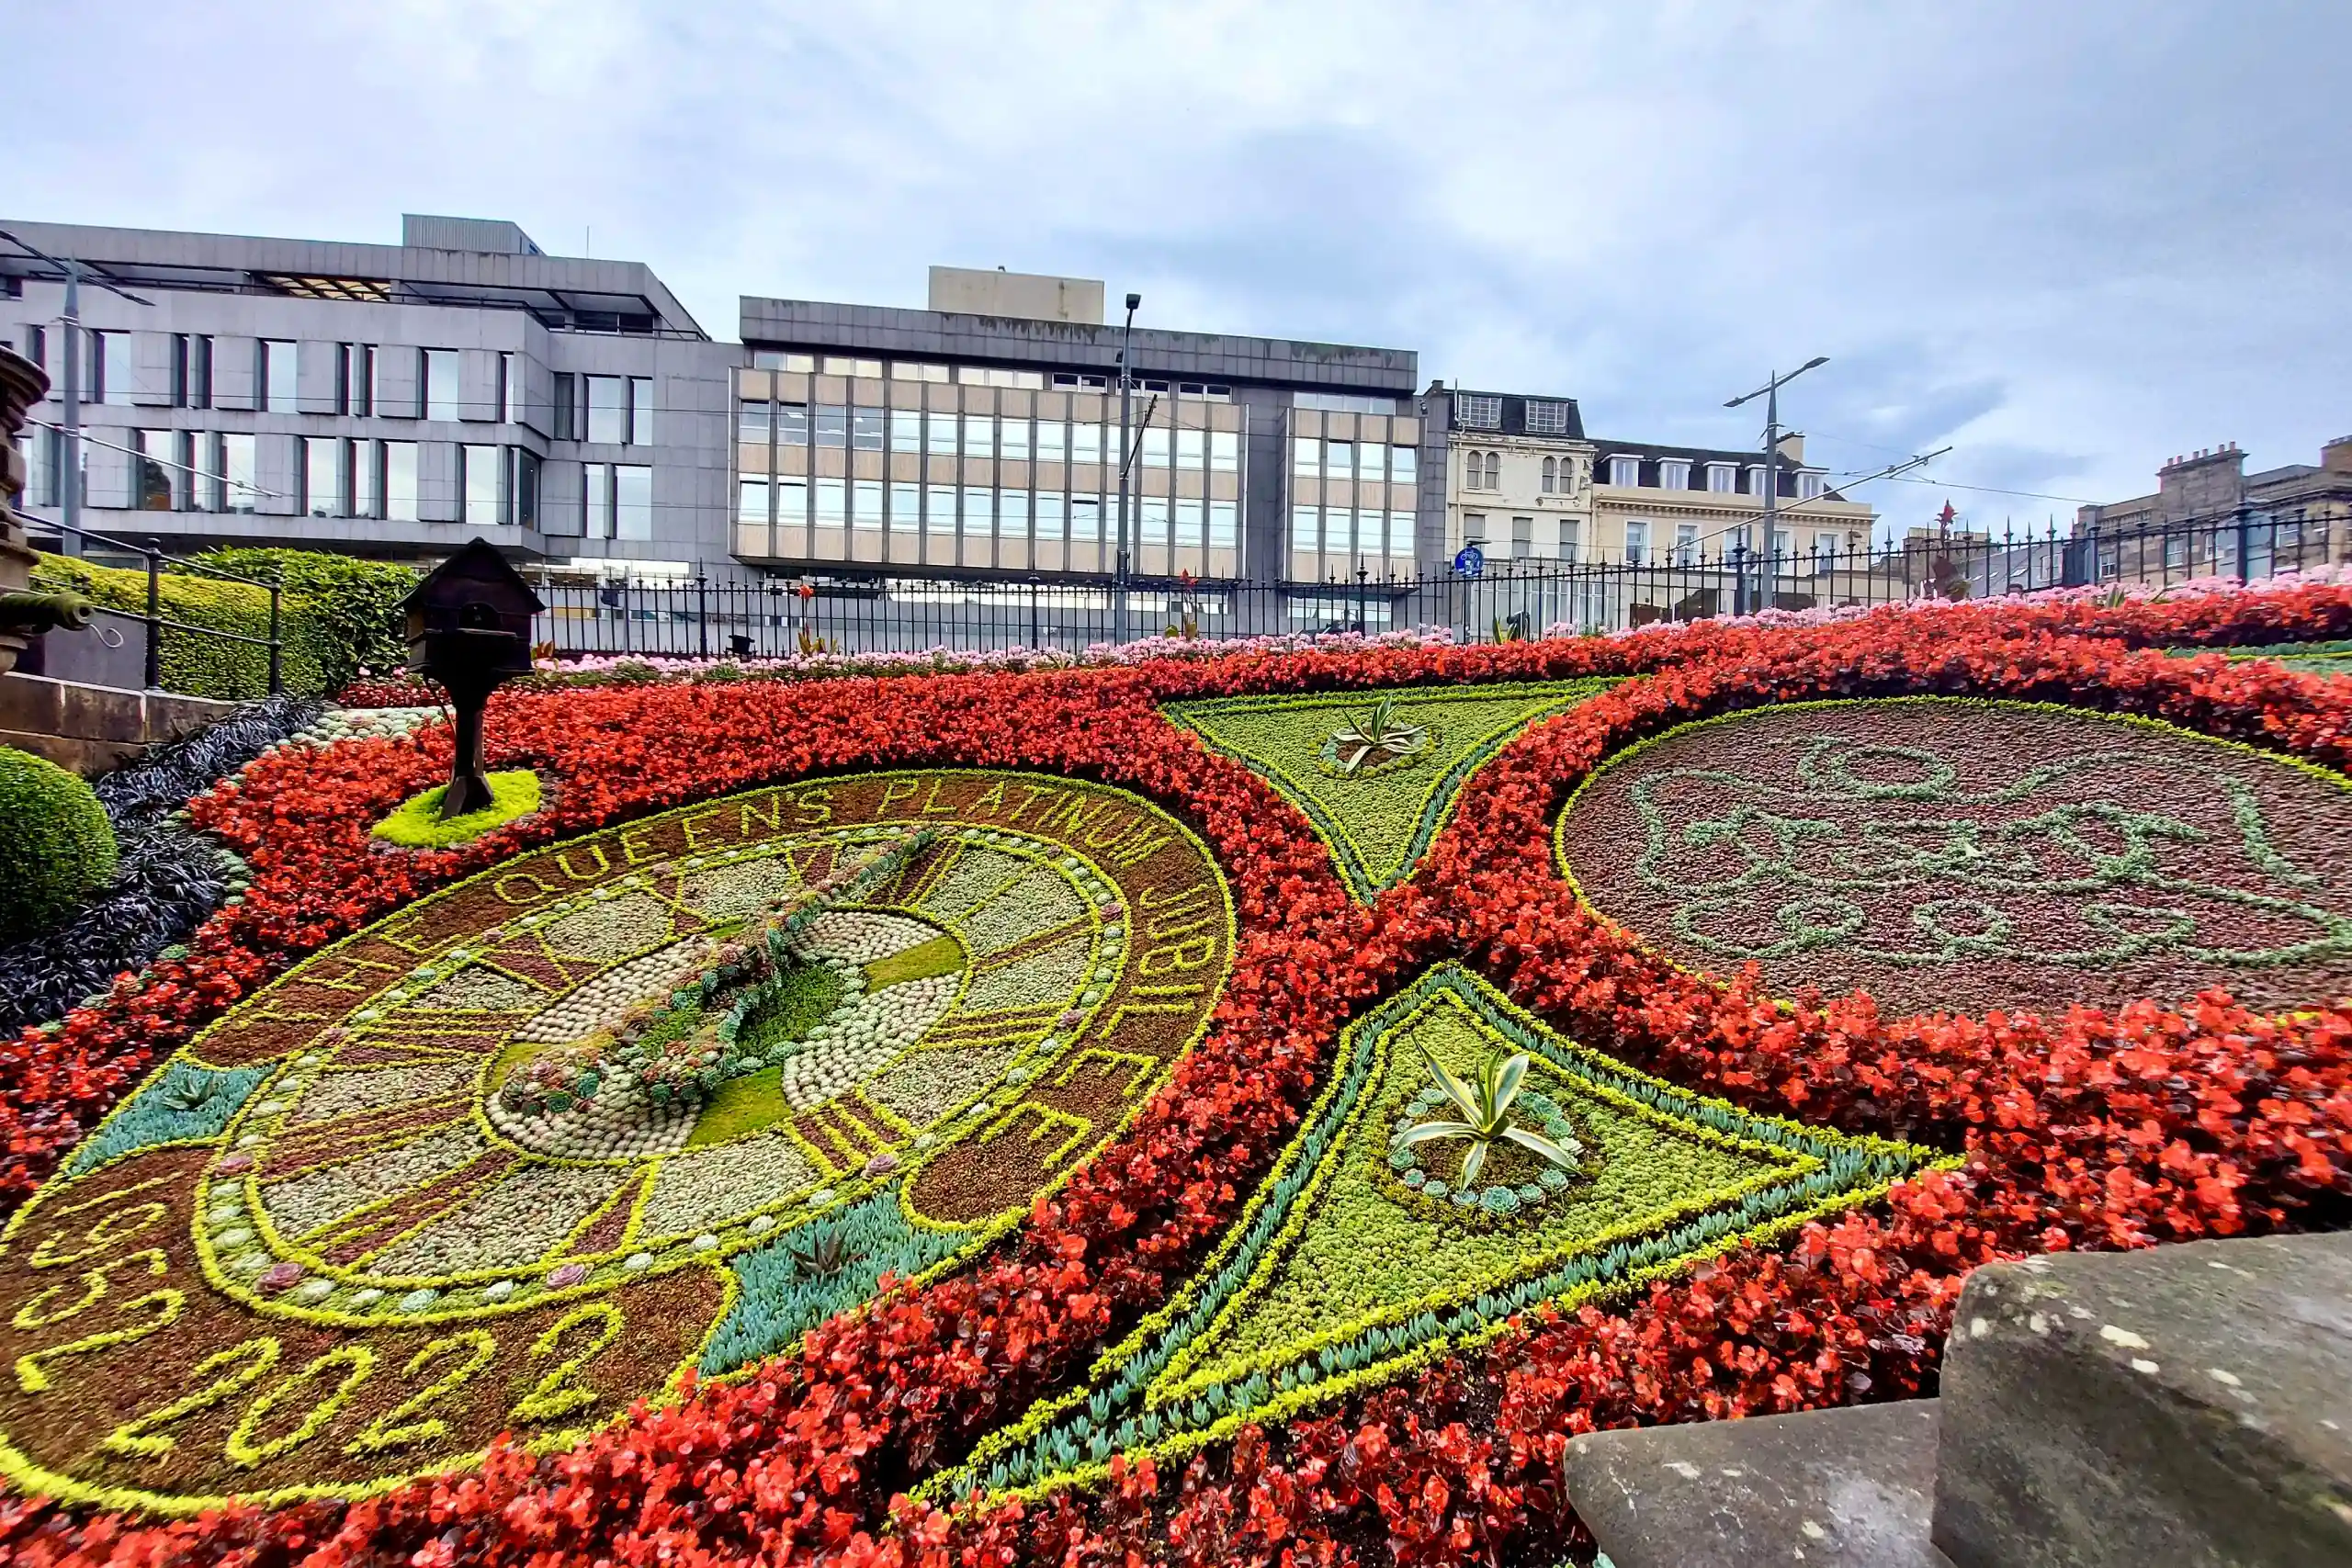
468,626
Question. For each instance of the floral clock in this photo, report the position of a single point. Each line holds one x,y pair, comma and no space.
659,1099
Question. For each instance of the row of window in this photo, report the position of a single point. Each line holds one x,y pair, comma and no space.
975,511
1483,470
1722,478
1484,410
1684,549
1337,531
975,375
978,435
1353,460
367,380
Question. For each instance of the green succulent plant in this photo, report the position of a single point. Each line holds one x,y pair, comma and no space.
1484,1107
1373,737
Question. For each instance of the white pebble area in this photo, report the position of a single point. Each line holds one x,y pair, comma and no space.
603,1000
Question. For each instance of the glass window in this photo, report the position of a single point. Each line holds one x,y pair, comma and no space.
1306,455
1012,514
157,474
277,375
632,502
237,473
1053,440
1085,443
906,509
1721,479
607,410
979,435
1187,521
1339,458
1625,472
508,392
596,496
1825,544
1494,471
1151,527
366,493
865,499
833,424
110,357
1545,418
755,422
866,429
1479,410
792,424
1401,461
1522,538
1051,517
1780,546
906,430
322,477
1551,474
832,502
640,410
1474,527
441,383
1571,539
196,372
399,480
358,376
1686,543
1191,449
941,439
1368,457
1673,474
523,487
482,466
1225,450
1638,542
979,519
1154,446
1085,518
1013,436
939,513
752,500
791,503
1307,528
1225,521
1808,486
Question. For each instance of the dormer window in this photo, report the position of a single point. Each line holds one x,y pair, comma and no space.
1809,483
1547,418
1674,473
1723,478
1478,410
1625,472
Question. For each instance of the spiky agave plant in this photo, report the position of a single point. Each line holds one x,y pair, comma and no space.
1483,1105
1374,735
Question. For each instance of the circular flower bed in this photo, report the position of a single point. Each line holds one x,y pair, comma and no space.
1945,854
1219,1327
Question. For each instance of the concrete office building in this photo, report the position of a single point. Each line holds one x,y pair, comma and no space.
981,438
391,401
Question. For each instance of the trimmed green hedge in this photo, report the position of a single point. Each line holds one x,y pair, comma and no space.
203,666
355,602
56,846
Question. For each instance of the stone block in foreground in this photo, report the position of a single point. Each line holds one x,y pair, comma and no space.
2180,1407
1845,1488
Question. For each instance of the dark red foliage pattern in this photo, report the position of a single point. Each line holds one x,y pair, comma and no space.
2090,1130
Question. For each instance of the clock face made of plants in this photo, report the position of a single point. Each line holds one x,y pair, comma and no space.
662,1097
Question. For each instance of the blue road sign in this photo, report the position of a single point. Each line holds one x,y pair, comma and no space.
1470,561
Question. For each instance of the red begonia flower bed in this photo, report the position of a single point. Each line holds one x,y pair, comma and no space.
2101,1128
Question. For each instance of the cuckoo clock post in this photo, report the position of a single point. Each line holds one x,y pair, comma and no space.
468,626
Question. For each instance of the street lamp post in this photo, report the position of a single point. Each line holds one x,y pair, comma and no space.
1126,456
1771,392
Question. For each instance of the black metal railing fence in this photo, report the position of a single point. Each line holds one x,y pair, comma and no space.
837,613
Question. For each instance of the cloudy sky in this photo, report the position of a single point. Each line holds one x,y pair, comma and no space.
2068,239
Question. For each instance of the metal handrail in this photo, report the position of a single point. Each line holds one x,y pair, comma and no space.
157,623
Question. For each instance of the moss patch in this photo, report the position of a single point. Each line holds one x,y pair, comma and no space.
417,825
940,955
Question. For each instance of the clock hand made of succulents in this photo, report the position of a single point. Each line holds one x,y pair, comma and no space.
659,1099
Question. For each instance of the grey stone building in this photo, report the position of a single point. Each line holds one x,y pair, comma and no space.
2206,510
984,439
391,401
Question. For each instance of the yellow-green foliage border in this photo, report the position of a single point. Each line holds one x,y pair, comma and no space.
418,824
192,664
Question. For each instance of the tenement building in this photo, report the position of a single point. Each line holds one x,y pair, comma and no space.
2206,509
983,436
1522,482
388,399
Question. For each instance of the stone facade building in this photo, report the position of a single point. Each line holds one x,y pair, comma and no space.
2206,508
